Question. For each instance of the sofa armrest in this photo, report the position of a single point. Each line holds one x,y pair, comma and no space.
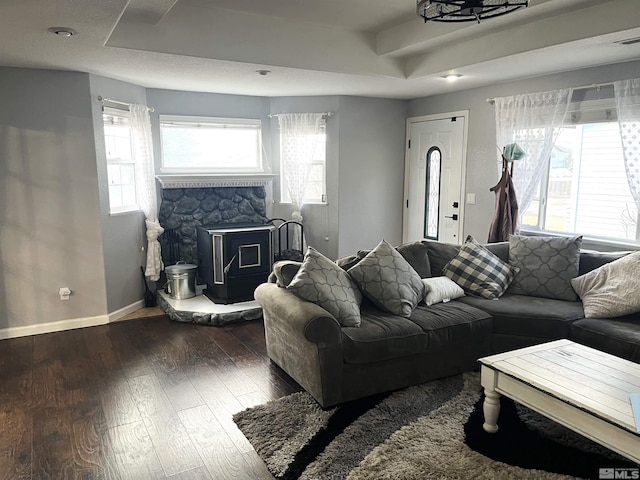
304,340
298,316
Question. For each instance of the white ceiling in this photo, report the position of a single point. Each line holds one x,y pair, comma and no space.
375,48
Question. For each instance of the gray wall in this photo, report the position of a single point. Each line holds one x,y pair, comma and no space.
371,172
50,230
123,235
482,170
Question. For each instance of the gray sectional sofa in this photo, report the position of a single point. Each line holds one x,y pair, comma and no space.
387,351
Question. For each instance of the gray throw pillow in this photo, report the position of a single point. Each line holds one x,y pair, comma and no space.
416,253
478,271
547,265
320,281
387,279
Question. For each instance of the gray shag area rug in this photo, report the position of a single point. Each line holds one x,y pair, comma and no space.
430,431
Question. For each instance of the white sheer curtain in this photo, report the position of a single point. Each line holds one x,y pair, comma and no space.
533,121
146,186
627,93
298,138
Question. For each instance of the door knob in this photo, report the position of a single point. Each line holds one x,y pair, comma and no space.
453,217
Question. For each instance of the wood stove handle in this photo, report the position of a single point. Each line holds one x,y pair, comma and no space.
228,267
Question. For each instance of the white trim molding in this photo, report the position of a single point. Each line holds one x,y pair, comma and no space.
70,324
124,311
215,180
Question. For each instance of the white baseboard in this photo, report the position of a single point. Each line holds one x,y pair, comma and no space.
14,332
124,311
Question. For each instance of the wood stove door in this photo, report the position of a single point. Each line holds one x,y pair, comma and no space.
249,253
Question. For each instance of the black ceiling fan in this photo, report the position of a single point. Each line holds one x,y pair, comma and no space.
466,10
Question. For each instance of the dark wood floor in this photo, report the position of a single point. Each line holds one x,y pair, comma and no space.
140,399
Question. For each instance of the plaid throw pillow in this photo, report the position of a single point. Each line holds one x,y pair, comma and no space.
478,271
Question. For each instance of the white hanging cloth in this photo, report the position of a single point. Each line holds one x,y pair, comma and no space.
533,121
146,186
298,135
627,95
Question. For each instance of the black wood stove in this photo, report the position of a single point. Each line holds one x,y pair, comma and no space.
233,259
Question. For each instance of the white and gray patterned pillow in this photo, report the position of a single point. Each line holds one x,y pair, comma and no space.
547,265
478,271
388,280
612,289
324,283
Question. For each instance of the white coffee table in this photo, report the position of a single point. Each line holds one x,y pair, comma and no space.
581,388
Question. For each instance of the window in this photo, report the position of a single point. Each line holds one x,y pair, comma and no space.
432,197
121,166
316,185
585,189
206,144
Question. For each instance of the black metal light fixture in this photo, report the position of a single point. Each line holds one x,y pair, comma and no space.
466,10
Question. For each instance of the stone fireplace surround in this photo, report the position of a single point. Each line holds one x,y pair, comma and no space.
187,204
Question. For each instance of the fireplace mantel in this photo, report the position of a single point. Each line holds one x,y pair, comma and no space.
217,180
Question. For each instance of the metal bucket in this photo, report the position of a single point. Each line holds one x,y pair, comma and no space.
181,280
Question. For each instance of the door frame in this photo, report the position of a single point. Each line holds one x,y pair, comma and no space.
463,167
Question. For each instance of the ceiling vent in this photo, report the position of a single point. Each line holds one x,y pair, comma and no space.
628,41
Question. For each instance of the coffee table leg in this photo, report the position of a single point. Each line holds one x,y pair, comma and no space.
491,409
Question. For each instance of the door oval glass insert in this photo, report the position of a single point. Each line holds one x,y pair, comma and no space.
432,193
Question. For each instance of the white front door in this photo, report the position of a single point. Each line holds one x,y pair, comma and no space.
434,179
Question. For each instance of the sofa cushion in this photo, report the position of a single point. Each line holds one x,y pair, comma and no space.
387,279
321,281
527,316
478,271
415,253
612,289
284,271
441,289
591,260
546,266
440,253
350,261
381,336
452,323
620,336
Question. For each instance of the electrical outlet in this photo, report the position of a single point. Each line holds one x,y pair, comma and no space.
64,293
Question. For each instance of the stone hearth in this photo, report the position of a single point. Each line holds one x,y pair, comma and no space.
201,310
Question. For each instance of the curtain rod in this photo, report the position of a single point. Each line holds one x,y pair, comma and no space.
104,100
326,114
597,86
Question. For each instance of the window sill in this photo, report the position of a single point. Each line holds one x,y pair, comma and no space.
317,203
202,180
118,213
590,243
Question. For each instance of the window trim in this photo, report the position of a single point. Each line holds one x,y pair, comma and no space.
191,120
592,111
124,209
284,200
